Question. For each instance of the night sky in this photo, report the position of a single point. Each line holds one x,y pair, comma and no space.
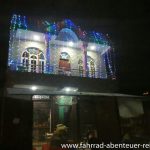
126,21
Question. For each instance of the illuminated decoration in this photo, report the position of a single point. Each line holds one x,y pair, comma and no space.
64,100
55,41
67,35
93,47
98,38
47,38
70,43
17,22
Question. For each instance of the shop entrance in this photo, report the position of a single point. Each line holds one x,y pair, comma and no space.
48,112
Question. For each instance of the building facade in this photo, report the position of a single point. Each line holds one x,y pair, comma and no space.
63,49
60,74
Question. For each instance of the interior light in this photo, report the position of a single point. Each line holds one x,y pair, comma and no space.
36,37
33,88
70,43
92,47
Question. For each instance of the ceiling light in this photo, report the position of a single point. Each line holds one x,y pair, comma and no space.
70,89
36,37
33,88
93,47
70,43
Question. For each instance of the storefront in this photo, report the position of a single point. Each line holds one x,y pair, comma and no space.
59,76
48,111
32,119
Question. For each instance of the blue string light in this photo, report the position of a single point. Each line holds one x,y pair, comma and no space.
19,22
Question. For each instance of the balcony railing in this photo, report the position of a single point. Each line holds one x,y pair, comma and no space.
58,71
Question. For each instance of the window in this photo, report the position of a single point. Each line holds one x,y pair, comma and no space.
33,60
25,59
41,63
64,55
91,67
80,65
64,64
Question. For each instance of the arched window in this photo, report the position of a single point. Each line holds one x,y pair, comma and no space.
41,63
25,59
41,56
91,67
80,67
33,60
64,56
64,64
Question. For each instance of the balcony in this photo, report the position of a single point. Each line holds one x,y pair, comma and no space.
62,71
21,81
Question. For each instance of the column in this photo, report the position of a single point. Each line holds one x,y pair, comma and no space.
47,37
84,49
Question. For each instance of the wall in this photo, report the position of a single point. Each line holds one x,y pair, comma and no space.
58,82
21,47
96,56
75,55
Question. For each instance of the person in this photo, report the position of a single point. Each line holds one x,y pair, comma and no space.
126,138
59,137
92,138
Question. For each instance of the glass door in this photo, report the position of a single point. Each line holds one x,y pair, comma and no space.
41,123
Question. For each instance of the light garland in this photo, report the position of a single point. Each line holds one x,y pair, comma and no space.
19,22
105,70
24,22
11,38
48,38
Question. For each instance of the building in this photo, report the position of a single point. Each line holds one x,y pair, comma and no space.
63,49
59,73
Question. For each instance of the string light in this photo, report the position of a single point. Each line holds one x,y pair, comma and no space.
17,22
105,70
24,22
48,38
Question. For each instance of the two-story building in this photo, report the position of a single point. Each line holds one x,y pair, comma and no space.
59,73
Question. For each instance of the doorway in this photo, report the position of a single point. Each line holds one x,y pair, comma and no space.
64,64
48,112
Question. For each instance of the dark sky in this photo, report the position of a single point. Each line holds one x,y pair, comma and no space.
127,22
